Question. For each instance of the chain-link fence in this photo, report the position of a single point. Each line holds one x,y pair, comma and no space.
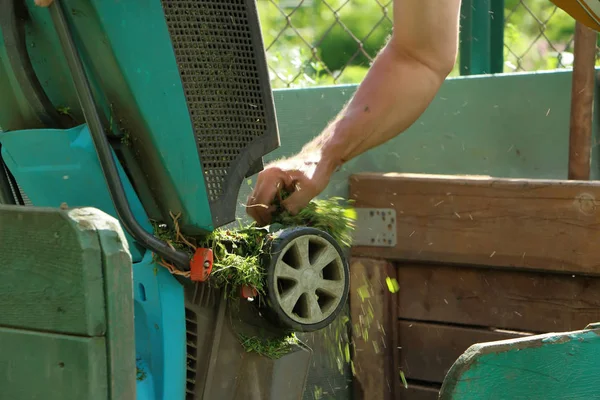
537,36
324,42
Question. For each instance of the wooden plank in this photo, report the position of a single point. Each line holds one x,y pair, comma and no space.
544,367
418,392
526,301
508,223
47,366
50,272
429,350
373,314
118,285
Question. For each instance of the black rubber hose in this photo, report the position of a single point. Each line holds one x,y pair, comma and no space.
13,30
179,259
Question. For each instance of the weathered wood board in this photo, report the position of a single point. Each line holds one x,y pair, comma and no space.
66,293
47,366
505,223
118,286
545,367
68,273
427,351
373,315
524,301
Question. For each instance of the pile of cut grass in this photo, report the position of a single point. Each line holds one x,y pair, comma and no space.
239,254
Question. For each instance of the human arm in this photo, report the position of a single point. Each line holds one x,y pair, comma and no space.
398,88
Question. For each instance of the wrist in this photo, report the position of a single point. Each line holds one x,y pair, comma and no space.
330,161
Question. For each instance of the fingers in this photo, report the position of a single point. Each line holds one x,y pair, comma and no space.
302,194
260,202
296,202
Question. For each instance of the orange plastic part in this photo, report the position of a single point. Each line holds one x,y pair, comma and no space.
248,292
201,265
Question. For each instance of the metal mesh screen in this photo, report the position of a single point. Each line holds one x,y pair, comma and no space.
218,55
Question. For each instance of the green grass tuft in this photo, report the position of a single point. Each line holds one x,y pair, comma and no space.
239,254
272,348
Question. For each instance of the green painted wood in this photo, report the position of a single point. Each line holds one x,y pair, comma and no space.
475,37
118,286
544,367
47,366
50,272
497,36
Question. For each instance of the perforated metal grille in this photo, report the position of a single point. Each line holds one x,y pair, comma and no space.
191,340
197,297
216,53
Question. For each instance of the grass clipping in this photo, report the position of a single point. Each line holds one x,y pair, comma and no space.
238,254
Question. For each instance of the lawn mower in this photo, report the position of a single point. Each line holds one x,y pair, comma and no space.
153,112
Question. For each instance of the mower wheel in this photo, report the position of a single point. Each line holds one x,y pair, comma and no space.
307,279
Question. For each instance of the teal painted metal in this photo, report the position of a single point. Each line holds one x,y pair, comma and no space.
139,92
160,335
54,167
481,37
543,367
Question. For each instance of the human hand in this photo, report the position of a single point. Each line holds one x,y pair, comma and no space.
303,178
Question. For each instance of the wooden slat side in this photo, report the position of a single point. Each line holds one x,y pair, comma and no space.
373,313
507,223
118,286
427,351
52,366
531,302
50,272
551,366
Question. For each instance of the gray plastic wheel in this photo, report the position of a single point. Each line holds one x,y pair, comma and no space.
307,279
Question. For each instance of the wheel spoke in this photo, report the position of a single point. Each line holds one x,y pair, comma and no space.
301,248
334,288
286,272
314,309
325,257
290,298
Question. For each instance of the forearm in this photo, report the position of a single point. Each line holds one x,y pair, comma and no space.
400,84
394,94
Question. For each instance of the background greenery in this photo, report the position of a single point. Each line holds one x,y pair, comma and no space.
324,42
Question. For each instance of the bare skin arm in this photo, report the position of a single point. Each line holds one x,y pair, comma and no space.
398,88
